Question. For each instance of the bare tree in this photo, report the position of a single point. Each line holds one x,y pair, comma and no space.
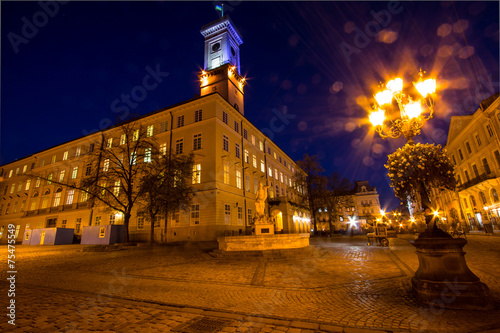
336,195
312,181
166,187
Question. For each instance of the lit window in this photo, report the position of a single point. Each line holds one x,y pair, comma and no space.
57,199
226,173
253,139
238,179
198,116
261,146
197,141
196,173
112,219
149,131
262,167
38,180
13,188
281,177
247,158
109,144
69,198
180,121
65,156
116,188
49,179
270,171
61,176
135,135
53,160
275,157
105,167
133,158
78,151
179,146
276,174
97,220
28,183
122,139
195,214
254,161
78,224
224,117
147,155
247,183
84,196
163,149
225,143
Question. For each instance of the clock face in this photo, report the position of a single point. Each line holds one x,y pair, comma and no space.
216,47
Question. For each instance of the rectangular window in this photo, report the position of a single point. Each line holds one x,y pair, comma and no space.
91,147
109,144
253,139
64,223
25,167
28,183
180,121
247,157
262,167
255,186
176,217
490,130
57,199
198,116
116,188
476,172
140,222
42,163
281,177
69,198
224,117
78,151
454,160
270,171
238,179
163,126
236,126
237,150
275,157
179,146
247,183
197,141
240,215
78,224
249,215
14,209
226,173
84,196
122,139
254,161
467,175
17,170
135,135
196,173
276,174
227,213
460,154
33,204
7,209
49,179
97,220
65,156
467,146
19,187
53,161
112,219
195,214
245,134
147,155
269,151
486,166
261,146
11,172
23,204
105,166
61,176
497,157
478,140
163,149
88,170
74,174
225,143
38,181
133,158
150,131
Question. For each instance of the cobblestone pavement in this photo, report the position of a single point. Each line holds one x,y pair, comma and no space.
344,286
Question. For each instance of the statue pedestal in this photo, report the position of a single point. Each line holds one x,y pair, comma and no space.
262,226
443,278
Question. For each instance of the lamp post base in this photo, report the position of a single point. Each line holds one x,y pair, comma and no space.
443,278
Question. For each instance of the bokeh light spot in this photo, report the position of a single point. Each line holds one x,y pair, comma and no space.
349,27
362,100
302,126
350,126
355,143
444,30
460,25
368,161
426,50
287,84
466,52
378,148
387,36
445,51
336,87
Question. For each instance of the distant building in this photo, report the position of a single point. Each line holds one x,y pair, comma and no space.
232,157
474,147
360,207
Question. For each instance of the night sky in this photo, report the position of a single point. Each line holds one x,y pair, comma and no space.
60,79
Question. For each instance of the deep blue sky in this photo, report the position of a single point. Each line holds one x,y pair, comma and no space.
61,80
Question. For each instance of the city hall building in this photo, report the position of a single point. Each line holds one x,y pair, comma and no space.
231,157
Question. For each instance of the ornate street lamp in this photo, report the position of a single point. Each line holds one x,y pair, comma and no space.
441,258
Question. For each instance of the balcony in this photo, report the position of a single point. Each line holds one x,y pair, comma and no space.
477,180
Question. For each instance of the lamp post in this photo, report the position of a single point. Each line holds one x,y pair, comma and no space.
441,258
413,114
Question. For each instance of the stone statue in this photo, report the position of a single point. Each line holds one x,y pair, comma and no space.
260,199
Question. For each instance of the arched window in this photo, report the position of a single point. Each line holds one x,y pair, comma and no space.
59,190
35,194
47,192
473,201
494,194
483,197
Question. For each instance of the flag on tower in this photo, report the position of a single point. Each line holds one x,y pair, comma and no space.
220,8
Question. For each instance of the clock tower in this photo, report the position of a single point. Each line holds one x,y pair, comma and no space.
221,72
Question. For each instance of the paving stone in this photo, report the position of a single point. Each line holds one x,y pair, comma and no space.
300,324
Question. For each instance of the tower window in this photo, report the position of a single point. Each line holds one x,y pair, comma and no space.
197,116
224,117
180,121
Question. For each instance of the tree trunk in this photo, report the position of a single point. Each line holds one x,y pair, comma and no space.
126,222
152,236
